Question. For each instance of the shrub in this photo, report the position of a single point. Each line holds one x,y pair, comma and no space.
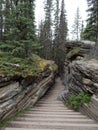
76,100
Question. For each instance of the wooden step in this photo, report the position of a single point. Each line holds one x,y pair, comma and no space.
63,120
74,128
54,116
54,112
51,114
24,124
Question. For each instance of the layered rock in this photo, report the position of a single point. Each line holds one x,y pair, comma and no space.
91,109
84,76
74,51
81,75
85,80
78,50
22,90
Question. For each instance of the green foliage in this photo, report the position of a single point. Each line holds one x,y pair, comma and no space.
45,35
1,19
22,48
54,48
76,101
91,30
62,31
11,65
58,49
53,67
73,52
28,66
18,34
56,18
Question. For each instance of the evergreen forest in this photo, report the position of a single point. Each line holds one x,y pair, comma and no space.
19,40
49,65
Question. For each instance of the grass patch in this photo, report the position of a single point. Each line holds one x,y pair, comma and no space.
76,100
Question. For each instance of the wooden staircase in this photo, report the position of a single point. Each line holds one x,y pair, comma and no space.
51,114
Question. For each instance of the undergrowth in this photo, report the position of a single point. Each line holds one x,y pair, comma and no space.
76,100
32,66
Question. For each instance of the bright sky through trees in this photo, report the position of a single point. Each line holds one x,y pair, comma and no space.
71,7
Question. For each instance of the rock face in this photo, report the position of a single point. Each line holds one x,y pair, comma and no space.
84,76
81,76
77,49
19,92
75,53
92,108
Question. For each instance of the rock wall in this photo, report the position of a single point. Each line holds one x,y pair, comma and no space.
85,79
91,109
17,93
74,51
84,76
81,76
77,49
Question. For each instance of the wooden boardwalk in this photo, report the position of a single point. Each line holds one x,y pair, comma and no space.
51,114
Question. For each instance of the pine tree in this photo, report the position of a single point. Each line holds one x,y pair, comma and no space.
56,28
56,17
47,27
76,28
19,30
41,39
1,20
54,49
46,31
82,30
62,33
91,30
93,13
60,38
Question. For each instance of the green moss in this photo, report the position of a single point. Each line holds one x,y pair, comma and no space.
53,67
73,52
29,66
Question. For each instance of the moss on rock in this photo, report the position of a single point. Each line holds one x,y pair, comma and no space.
29,66
73,52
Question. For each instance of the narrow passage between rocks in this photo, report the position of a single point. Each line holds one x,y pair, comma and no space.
51,114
